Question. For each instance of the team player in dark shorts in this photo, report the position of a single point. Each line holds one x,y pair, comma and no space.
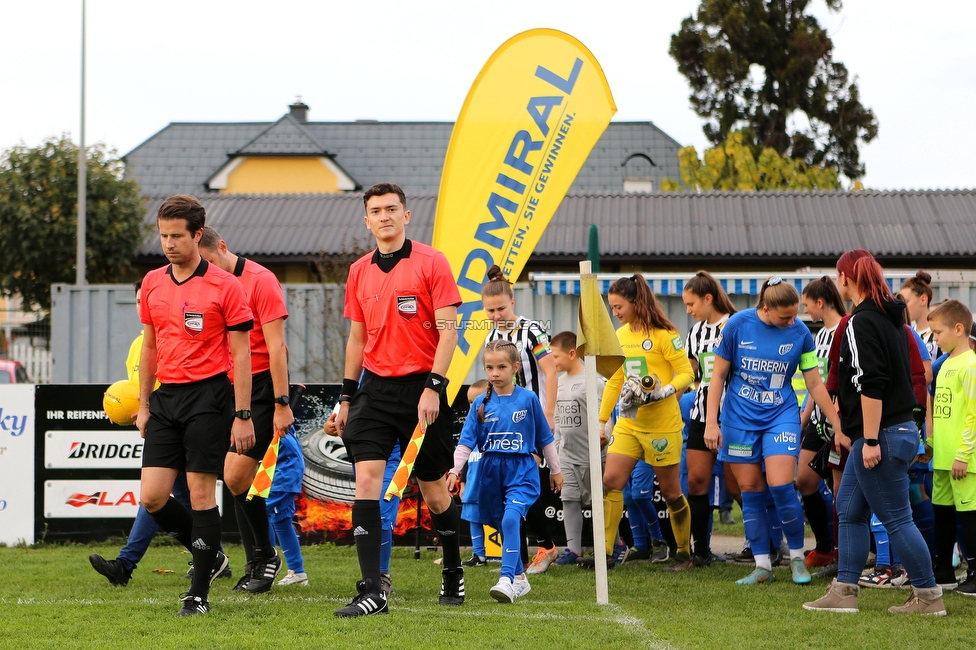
196,318
402,302
270,410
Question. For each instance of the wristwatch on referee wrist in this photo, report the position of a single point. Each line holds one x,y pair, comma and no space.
871,442
281,400
243,414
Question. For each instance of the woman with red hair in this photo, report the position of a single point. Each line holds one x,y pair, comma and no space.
876,399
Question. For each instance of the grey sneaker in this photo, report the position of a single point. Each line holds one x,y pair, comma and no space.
386,584
725,516
660,552
840,598
922,601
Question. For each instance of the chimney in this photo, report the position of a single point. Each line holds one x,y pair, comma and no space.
299,110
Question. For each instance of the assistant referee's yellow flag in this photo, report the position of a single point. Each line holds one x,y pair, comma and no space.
594,332
528,124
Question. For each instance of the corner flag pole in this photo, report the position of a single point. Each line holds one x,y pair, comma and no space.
596,477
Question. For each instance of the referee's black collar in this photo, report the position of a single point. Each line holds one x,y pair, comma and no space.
200,271
239,267
395,256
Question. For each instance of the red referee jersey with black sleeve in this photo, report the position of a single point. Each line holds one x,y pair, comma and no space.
267,303
398,307
190,320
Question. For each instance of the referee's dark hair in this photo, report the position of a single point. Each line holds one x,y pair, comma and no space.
184,206
385,188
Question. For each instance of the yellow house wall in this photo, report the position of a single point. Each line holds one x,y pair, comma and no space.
280,175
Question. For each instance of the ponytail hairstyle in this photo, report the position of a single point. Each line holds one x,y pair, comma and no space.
703,284
825,289
636,291
507,347
497,284
920,285
777,293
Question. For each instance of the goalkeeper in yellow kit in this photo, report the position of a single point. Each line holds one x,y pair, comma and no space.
650,424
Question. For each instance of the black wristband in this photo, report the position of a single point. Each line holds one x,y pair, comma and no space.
436,382
349,386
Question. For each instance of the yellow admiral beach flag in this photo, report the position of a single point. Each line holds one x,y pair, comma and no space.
528,124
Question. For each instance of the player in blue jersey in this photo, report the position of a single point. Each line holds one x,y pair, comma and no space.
506,425
757,354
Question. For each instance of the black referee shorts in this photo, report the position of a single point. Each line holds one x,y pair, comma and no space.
384,411
262,415
189,426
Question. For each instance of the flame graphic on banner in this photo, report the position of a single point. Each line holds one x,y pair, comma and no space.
335,519
79,500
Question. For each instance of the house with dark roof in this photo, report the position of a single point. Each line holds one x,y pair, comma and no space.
288,195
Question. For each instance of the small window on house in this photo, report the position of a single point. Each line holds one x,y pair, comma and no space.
638,185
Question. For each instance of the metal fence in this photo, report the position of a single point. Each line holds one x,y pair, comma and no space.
93,326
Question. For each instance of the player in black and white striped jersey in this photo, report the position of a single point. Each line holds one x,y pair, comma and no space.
822,301
917,294
538,374
708,304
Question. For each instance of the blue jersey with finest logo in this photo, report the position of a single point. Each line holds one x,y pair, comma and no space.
514,424
763,359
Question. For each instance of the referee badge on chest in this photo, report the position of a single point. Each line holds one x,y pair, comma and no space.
407,306
192,323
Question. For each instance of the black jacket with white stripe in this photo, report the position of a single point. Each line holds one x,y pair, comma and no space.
874,362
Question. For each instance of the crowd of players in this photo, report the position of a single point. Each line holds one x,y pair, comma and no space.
884,434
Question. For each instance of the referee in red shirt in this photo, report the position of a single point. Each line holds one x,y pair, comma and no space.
402,302
270,410
196,318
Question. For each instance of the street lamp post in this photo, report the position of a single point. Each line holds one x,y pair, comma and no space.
82,170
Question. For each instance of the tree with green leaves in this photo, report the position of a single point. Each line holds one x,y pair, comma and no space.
735,165
38,219
768,65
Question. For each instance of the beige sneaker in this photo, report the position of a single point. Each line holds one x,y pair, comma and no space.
922,601
840,597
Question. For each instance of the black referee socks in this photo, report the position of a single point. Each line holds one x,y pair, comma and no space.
447,524
701,513
206,542
367,530
174,518
254,515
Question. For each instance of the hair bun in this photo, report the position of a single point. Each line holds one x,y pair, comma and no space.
495,273
923,276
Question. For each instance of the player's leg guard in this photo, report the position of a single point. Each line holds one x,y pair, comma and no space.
755,523
613,509
790,514
681,525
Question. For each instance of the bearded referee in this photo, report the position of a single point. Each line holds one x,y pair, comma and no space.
402,302
196,318
270,410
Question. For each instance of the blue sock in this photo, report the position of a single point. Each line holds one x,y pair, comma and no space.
881,544
511,547
386,549
772,522
924,517
284,530
828,498
790,514
649,510
755,521
638,525
478,540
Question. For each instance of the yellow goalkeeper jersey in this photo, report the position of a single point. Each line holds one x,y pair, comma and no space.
661,353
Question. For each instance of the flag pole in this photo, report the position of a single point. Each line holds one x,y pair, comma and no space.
596,471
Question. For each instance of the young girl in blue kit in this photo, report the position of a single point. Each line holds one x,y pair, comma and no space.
507,424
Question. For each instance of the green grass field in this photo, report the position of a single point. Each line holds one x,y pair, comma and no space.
51,598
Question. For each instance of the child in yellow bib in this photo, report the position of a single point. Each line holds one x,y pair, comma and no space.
953,442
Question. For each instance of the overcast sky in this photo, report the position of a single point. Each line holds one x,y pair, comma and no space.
151,63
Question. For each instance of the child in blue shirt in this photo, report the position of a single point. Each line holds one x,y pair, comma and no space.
506,425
